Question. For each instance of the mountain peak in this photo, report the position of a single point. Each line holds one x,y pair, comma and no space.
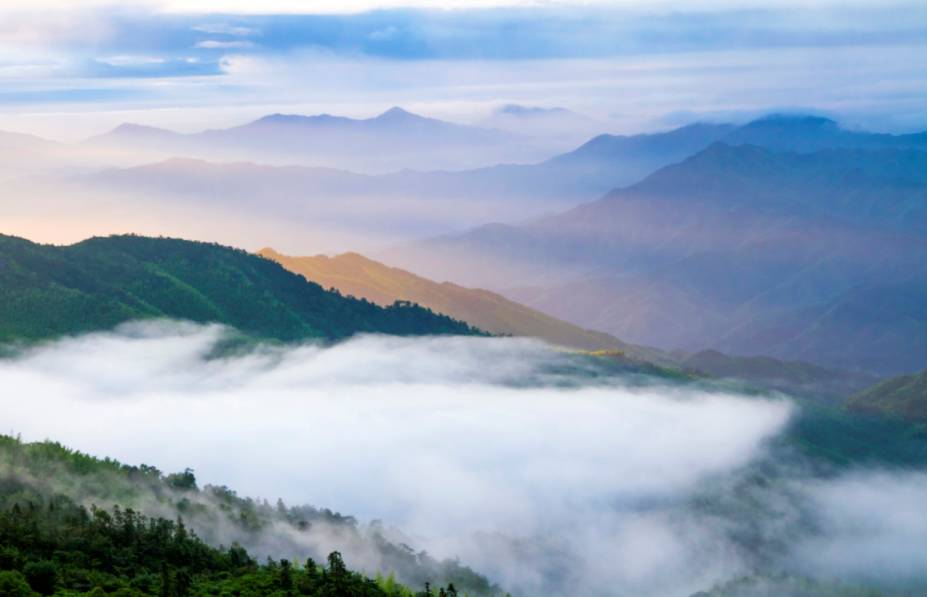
397,113
280,118
131,128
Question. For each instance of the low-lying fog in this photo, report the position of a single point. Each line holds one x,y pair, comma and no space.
493,450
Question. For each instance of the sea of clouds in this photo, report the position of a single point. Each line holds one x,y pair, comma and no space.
501,451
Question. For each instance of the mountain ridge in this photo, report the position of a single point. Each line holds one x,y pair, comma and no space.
738,248
355,275
101,282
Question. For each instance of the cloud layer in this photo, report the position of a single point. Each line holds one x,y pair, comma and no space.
541,469
491,449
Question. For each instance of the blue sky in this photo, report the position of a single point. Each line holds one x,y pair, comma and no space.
632,65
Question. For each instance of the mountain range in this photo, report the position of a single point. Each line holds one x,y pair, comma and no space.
393,140
453,200
796,378
49,291
815,256
788,236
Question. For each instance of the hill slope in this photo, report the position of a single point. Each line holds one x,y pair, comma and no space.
904,397
794,377
96,284
355,275
97,522
818,257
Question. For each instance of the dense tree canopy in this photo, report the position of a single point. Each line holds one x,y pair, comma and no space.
47,291
72,524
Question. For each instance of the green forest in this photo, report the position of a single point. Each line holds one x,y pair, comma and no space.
64,532
48,291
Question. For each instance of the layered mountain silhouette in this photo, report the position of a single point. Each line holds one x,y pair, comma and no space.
818,256
794,377
49,291
355,275
506,192
393,140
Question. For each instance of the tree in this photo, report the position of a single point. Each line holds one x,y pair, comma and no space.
41,576
12,584
166,589
286,576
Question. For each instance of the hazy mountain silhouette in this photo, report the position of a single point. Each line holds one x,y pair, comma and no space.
519,191
819,256
393,140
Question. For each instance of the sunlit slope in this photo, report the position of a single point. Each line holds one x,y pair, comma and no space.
355,275
48,291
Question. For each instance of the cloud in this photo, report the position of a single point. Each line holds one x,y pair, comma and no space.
226,29
131,60
539,468
626,65
212,44
497,450
871,528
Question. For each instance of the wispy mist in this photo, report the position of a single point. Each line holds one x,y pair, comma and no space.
500,451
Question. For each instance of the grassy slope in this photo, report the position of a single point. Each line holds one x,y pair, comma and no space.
904,397
48,291
356,275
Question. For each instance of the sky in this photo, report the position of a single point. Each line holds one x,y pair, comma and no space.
71,69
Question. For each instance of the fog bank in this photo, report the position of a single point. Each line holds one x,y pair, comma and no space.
503,452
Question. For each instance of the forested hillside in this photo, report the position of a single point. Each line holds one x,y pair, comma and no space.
71,524
49,291
903,397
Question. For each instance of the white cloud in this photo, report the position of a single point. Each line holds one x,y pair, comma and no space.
226,29
472,446
130,60
212,44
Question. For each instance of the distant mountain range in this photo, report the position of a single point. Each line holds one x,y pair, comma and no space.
27,155
506,192
793,377
355,275
788,236
393,140
559,126
49,291
817,256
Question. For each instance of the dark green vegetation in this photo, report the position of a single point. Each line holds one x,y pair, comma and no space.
832,436
49,291
903,397
71,524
